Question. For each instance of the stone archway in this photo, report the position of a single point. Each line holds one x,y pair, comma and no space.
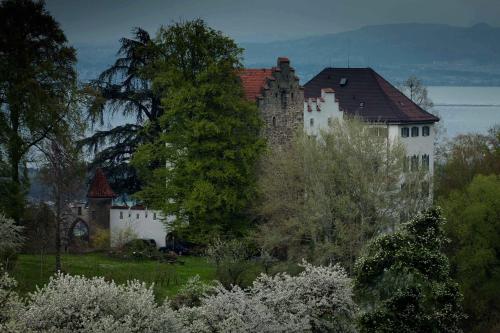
79,235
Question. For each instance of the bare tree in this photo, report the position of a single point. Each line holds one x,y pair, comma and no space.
414,88
63,172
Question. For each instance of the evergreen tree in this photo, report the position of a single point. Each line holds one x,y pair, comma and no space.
36,70
126,88
404,283
210,143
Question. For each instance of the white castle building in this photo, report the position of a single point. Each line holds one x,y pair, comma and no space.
338,92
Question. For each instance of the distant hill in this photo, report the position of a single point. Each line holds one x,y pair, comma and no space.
439,54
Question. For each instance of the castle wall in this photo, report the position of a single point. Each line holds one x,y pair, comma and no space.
281,105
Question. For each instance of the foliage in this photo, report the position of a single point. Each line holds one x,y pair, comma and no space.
39,228
191,293
231,258
210,140
126,88
100,239
11,240
10,303
317,300
473,215
344,189
77,304
403,280
465,157
36,71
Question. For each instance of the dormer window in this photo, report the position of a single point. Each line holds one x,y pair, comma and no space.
343,82
414,131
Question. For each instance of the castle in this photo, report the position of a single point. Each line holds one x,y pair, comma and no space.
285,107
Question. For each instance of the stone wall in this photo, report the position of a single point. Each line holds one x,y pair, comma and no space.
281,105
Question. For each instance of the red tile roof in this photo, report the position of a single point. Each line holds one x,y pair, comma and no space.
254,80
100,187
368,95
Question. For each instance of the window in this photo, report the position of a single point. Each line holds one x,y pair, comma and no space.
129,214
425,162
426,131
414,131
361,104
79,210
405,132
137,216
291,96
311,122
329,121
274,121
414,163
121,215
146,214
154,216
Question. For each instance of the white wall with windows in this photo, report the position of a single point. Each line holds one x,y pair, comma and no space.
419,143
144,223
320,112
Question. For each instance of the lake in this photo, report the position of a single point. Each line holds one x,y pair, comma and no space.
466,109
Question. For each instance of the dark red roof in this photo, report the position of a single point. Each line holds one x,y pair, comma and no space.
100,187
253,81
368,95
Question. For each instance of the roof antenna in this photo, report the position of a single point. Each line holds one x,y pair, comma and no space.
348,53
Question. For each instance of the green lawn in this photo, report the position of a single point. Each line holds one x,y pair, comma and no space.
33,270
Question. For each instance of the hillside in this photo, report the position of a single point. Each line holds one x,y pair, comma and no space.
439,54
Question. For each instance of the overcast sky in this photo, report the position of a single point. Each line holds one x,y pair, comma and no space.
102,21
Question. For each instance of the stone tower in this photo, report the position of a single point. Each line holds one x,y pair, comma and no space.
100,197
280,99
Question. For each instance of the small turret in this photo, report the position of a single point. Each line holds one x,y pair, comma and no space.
100,196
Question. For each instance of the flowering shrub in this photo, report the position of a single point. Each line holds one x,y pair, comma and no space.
11,240
318,299
77,304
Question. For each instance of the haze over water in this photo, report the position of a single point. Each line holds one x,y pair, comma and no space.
466,109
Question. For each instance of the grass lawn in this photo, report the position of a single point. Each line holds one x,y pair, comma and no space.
32,270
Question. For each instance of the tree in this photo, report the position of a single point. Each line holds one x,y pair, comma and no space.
414,88
403,280
465,157
126,88
64,173
36,69
323,198
473,215
210,140
11,241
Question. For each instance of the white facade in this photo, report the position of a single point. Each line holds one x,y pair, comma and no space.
320,112
419,141
143,223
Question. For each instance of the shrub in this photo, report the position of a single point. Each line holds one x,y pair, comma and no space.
318,299
191,293
11,240
77,304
